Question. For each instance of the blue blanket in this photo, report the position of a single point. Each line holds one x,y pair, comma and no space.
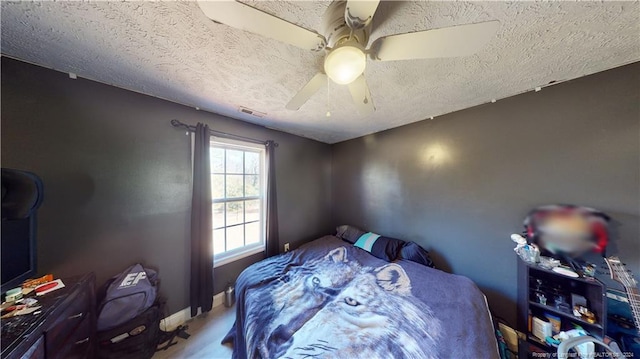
329,299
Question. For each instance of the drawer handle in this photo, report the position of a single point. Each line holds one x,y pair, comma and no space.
79,315
82,341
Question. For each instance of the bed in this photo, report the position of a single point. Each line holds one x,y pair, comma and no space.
329,299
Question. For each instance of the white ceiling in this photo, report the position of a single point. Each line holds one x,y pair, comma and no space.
172,51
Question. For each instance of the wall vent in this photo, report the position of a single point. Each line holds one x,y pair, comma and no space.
251,112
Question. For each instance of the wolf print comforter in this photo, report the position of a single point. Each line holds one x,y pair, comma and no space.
329,299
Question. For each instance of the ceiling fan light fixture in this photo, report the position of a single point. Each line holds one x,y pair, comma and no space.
345,63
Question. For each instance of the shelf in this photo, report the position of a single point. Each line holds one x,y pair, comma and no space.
564,315
533,339
591,289
586,280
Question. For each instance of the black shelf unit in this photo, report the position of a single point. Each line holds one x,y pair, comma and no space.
529,276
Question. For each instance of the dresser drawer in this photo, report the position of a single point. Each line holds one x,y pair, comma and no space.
77,345
36,351
63,329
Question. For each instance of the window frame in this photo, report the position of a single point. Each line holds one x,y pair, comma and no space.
235,254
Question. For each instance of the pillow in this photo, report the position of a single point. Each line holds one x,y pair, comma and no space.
413,252
382,247
349,233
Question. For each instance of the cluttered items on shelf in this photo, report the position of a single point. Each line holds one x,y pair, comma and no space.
20,301
556,297
563,248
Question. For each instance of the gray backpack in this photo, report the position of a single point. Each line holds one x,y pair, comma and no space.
126,296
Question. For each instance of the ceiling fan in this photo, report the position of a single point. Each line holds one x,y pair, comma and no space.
347,26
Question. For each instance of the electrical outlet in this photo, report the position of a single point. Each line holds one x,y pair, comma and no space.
286,247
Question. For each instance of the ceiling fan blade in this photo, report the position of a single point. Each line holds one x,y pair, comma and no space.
452,41
361,96
250,19
359,14
307,91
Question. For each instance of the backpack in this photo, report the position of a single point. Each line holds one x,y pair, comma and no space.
134,339
126,296
140,337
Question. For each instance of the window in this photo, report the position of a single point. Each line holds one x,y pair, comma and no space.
238,199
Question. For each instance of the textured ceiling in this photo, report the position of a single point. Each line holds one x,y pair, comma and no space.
172,51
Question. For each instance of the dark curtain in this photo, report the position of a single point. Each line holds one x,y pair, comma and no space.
201,226
273,243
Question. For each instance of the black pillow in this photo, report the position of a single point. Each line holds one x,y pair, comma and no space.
413,252
349,233
382,247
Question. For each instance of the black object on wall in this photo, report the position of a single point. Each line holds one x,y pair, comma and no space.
459,185
118,177
22,194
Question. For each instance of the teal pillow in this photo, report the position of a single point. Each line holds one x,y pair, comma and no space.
382,247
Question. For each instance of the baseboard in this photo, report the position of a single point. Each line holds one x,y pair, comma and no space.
218,299
176,319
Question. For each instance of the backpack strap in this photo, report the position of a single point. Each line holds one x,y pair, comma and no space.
168,337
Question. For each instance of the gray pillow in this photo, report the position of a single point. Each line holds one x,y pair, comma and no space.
349,233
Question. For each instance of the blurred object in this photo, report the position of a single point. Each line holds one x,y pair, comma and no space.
19,310
541,297
567,229
577,299
585,347
556,322
584,313
541,328
502,345
548,262
528,252
589,270
32,283
13,295
565,271
510,337
49,287
560,302
29,302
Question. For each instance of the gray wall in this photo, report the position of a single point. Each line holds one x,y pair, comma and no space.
459,185
117,176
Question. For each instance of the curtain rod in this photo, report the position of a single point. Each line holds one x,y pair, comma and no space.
176,123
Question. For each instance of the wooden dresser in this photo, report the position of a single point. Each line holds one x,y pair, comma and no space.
64,328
